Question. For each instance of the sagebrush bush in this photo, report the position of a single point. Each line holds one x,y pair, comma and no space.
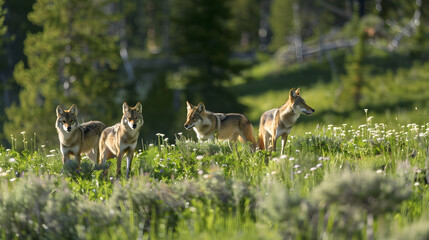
40,208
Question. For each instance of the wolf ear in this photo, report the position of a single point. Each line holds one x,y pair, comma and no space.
297,92
138,107
292,93
60,111
73,109
125,107
201,108
189,106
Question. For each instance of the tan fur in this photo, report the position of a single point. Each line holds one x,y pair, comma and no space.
77,138
278,122
122,137
228,126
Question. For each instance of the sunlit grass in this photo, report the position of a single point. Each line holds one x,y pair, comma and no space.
180,188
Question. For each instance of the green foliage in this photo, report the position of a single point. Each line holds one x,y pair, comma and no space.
245,20
417,231
281,20
374,193
356,78
39,208
327,185
304,19
201,38
292,213
3,28
73,60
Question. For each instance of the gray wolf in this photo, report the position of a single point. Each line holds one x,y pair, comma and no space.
77,138
227,126
122,137
278,122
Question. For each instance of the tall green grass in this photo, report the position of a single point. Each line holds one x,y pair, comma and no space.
334,182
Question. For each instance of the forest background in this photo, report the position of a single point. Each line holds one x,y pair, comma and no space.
235,56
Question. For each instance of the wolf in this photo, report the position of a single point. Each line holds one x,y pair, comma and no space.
278,122
228,126
122,137
77,138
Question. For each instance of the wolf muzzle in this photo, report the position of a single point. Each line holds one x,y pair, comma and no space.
188,127
310,112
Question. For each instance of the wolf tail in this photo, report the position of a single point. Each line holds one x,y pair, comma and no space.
247,133
261,142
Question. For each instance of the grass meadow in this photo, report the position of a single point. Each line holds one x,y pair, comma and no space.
347,173
365,181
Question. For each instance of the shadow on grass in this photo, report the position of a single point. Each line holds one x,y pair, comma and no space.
319,72
285,79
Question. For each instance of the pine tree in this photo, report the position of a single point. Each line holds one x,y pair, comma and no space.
2,16
356,66
73,60
281,21
201,38
245,23
355,69
3,89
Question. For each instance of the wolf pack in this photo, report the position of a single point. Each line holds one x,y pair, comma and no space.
101,143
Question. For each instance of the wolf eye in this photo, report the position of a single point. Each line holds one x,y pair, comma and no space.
64,121
71,121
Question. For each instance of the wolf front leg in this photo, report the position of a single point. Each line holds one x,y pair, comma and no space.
119,163
284,139
130,155
273,142
65,154
266,138
65,158
78,158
